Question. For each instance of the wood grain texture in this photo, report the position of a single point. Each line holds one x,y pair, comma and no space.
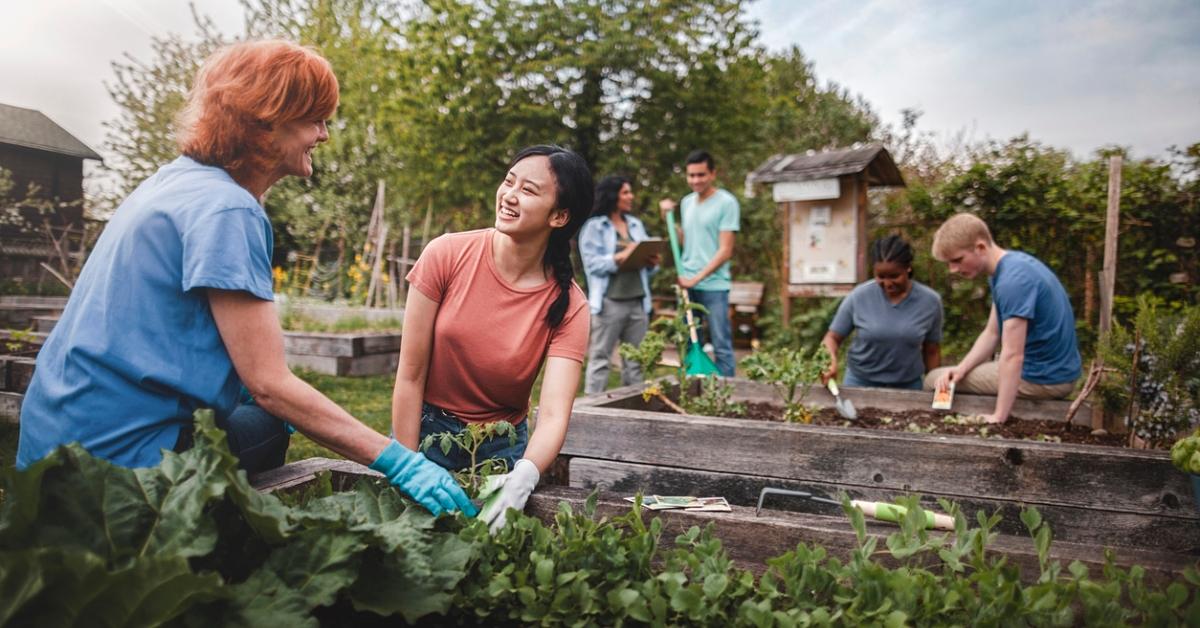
1086,476
1069,523
751,540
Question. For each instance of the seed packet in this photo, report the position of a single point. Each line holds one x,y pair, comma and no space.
943,399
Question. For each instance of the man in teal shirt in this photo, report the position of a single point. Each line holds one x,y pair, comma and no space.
709,219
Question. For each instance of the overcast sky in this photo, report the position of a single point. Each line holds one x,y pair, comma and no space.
1074,74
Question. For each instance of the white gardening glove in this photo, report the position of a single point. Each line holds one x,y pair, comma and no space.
515,487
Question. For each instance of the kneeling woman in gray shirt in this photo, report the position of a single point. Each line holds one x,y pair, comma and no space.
898,323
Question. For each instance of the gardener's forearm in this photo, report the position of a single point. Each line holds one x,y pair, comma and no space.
249,329
406,411
559,383
288,397
1010,379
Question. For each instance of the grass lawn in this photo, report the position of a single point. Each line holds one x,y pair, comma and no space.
369,399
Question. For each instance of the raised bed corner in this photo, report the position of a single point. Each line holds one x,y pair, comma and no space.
343,353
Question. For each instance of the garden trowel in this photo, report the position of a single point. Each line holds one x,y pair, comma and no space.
844,407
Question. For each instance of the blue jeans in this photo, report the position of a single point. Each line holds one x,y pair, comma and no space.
258,439
853,381
720,332
435,420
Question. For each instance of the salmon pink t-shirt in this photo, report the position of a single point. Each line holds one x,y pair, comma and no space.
489,338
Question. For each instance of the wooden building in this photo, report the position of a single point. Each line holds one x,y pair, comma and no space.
35,150
822,200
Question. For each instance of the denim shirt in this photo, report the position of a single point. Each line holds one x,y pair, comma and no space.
597,245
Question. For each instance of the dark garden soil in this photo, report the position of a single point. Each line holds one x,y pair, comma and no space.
921,421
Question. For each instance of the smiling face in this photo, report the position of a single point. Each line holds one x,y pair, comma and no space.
295,142
700,178
625,198
892,277
527,199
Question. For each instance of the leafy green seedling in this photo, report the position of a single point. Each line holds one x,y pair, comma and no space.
474,476
792,373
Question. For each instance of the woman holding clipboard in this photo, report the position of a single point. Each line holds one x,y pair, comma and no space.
618,292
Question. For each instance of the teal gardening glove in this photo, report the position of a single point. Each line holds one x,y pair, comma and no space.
423,480
515,487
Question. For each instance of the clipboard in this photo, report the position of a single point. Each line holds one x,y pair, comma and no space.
644,249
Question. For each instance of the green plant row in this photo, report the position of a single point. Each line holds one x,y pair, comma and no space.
83,542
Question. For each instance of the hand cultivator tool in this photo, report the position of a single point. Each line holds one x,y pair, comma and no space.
883,511
696,362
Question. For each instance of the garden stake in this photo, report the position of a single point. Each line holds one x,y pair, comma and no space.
882,511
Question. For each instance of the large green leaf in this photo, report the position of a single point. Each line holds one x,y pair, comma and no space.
69,587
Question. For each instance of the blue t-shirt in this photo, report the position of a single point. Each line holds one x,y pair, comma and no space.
887,345
703,223
1024,287
136,351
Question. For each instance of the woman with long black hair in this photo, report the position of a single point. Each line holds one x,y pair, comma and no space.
897,324
619,300
491,306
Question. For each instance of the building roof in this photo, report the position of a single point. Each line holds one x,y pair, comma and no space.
873,158
32,129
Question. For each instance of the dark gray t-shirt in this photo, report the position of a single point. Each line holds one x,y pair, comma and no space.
887,347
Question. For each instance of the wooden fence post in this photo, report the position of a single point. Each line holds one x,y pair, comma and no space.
1108,275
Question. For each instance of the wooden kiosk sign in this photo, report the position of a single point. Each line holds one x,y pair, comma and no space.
822,199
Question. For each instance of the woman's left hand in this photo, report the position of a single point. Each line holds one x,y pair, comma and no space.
653,260
515,487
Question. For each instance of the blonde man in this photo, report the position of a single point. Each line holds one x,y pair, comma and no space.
1031,320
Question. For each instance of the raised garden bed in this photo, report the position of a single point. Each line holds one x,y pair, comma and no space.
1090,494
18,358
19,312
343,353
750,539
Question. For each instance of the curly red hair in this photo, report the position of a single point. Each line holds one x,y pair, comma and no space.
245,90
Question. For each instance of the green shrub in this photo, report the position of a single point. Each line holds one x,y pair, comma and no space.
1160,396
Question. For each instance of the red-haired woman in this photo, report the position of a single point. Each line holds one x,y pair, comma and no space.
173,310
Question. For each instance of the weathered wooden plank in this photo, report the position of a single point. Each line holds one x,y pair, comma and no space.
629,397
22,315
15,299
322,343
10,407
44,324
382,342
376,364
18,371
751,540
333,344
1074,524
1087,476
303,471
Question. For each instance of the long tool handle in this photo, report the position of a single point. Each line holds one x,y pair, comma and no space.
687,313
894,513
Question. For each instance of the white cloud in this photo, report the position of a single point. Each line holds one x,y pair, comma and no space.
1078,75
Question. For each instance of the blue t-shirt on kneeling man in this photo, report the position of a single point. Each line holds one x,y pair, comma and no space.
137,351
1024,287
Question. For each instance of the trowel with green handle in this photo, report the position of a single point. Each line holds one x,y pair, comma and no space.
883,511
